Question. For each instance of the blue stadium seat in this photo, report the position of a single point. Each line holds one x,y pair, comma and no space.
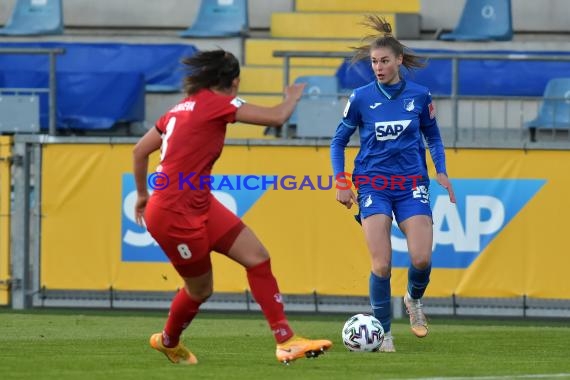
219,18
483,20
323,87
35,17
554,112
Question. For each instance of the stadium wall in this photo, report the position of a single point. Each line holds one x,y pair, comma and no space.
528,15
166,14
503,238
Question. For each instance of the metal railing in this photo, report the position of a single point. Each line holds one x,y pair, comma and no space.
52,84
454,57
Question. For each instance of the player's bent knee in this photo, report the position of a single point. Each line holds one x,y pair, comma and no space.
421,263
382,270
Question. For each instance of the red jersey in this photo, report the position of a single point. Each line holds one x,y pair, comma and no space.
193,133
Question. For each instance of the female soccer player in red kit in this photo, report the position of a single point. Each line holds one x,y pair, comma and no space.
188,222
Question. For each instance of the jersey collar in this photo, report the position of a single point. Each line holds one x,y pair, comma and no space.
396,93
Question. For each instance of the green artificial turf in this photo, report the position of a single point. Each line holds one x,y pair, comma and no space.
83,344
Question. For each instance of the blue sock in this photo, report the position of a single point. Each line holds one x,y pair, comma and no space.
380,294
418,281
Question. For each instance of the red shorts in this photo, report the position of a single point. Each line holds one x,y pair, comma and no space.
188,239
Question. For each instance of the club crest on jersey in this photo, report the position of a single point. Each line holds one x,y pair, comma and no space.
390,130
409,104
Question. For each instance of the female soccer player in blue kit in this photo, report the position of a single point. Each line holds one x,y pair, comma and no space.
392,116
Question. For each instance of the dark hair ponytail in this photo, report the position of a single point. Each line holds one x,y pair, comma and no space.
210,69
384,38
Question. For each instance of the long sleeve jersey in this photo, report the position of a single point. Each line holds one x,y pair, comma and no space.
392,122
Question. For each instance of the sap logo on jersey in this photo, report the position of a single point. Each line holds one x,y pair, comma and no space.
390,130
462,232
136,242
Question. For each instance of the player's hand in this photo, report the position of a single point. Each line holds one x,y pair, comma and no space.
140,206
295,91
446,183
346,197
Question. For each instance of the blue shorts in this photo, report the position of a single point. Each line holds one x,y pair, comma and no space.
402,203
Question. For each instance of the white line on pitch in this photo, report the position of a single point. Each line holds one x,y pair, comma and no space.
537,376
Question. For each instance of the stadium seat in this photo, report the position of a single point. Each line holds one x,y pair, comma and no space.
554,111
219,18
483,20
319,110
323,87
35,17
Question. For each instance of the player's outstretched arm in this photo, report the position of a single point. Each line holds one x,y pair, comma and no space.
272,116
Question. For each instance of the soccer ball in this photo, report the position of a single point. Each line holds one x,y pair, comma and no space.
363,332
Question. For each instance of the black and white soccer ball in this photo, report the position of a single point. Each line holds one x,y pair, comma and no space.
363,333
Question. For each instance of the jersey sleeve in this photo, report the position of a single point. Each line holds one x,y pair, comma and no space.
351,115
347,126
430,131
160,125
226,108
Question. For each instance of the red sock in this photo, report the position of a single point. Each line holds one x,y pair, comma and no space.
182,311
266,292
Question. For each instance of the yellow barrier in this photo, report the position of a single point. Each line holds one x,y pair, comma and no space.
5,183
323,25
259,51
256,79
372,6
506,237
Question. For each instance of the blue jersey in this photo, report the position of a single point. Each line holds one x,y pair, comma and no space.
392,122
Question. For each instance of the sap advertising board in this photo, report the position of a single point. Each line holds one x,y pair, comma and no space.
461,232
